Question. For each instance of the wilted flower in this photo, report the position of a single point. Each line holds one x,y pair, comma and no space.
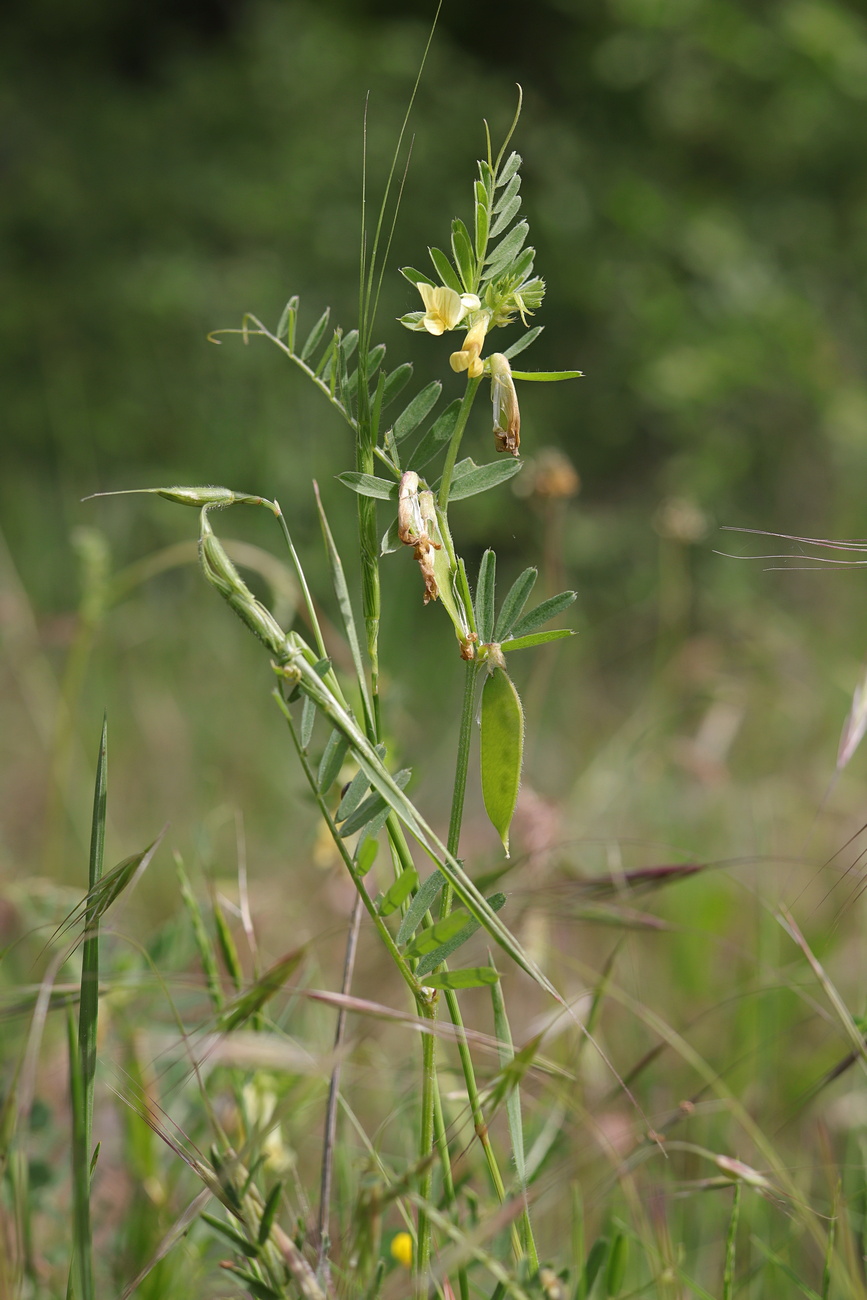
415,511
507,416
469,357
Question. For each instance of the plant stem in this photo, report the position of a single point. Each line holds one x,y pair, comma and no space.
449,1195
427,1008
479,1122
452,453
462,763
302,582
333,1095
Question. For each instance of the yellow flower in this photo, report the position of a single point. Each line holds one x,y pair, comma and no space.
443,307
469,357
401,1248
507,416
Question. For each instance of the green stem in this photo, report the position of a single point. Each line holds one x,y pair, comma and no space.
462,763
302,582
368,533
426,1141
398,843
454,445
478,1115
449,1194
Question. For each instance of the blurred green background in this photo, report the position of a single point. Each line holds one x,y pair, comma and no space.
695,182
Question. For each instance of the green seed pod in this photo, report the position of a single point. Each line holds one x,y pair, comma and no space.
502,750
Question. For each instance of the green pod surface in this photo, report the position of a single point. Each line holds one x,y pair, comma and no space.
502,750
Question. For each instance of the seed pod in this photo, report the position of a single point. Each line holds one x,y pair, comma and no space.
502,750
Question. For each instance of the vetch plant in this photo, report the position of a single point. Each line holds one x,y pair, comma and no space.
407,457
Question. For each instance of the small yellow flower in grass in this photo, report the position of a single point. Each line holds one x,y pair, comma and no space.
443,307
401,1248
507,416
469,357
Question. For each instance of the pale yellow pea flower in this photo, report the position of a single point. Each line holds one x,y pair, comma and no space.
469,357
443,307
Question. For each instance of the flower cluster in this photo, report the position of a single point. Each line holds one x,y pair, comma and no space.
446,309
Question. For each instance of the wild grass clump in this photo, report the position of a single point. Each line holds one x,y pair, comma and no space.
485,1108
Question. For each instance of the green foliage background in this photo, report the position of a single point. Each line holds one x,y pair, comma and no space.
696,190
694,175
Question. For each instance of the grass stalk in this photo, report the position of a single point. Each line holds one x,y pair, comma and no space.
731,1244
82,1045
330,1134
426,1008
449,1195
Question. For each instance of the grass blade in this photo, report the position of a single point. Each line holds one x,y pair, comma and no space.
341,591
82,1046
503,1032
247,1004
89,1004
82,1244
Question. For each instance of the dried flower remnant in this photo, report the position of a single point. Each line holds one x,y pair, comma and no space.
415,511
507,416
